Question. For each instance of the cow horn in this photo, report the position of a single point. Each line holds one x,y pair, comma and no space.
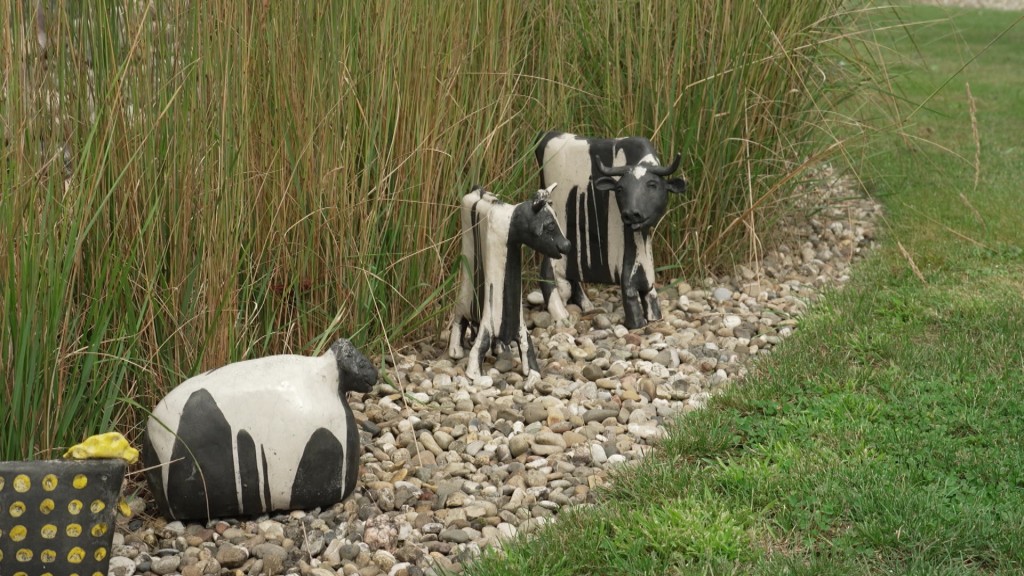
615,171
543,197
540,200
665,170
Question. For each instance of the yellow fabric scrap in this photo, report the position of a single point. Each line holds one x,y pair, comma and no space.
109,445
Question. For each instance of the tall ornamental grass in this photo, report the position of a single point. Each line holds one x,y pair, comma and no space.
186,184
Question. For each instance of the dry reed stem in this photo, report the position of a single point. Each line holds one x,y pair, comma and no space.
910,260
960,235
969,61
973,109
779,185
755,242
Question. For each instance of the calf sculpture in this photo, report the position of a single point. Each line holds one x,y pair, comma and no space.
490,298
611,193
273,433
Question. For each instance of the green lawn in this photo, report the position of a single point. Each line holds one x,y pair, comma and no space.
886,436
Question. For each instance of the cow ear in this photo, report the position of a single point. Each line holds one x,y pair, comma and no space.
606,184
676,185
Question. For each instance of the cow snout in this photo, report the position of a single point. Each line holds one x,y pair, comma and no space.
632,217
356,372
555,249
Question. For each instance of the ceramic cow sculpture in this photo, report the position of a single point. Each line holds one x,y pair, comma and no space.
490,299
274,433
611,193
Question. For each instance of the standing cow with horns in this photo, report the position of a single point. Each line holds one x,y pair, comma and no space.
611,194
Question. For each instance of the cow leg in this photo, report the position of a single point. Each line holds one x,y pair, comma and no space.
500,347
645,285
579,296
477,353
527,353
643,278
634,313
555,290
456,331
652,309
631,305
547,278
462,311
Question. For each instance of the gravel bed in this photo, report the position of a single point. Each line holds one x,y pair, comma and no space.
450,467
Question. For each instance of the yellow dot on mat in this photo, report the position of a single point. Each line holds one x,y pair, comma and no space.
23,555
76,555
1,555
100,554
18,533
2,482
47,556
17,509
97,506
99,529
49,482
80,481
73,530
48,531
46,506
21,483
75,506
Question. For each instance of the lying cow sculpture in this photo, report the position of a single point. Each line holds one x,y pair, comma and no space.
611,194
490,298
273,433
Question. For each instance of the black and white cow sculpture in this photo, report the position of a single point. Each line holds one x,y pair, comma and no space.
611,193
490,298
274,433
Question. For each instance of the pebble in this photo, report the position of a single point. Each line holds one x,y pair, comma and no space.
518,445
534,412
464,465
121,566
455,535
599,414
165,564
721,294
231,556
592,373
270,553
